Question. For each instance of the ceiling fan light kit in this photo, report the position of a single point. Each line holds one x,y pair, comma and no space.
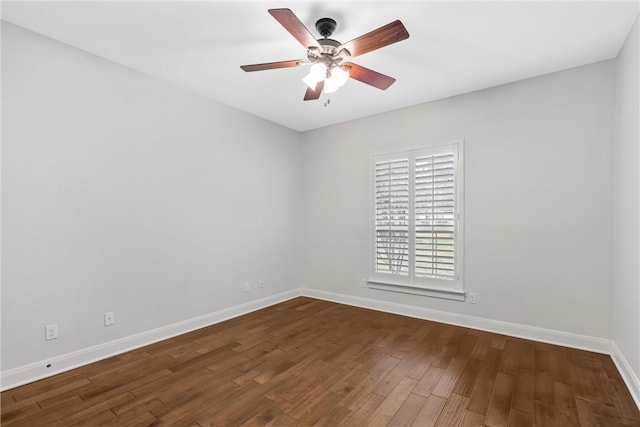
334,77
328,71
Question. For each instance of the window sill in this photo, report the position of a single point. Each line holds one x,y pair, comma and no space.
452,294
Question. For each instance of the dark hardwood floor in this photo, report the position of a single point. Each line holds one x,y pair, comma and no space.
309,362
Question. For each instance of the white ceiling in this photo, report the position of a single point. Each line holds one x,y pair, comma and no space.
453,48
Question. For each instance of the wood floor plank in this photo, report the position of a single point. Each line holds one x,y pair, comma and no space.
585,415
453,411
333,417
482,345
360,412
428,381
467,379
65,390
408,411
44,417
498,341
561,368
543,387
368,382
471,419
421,365
523,393
542,361
430,412
489,365
544,415
248,400
622,401
500,405
519,418
565,404
393,378
151,405
481,396
312,362
133,417
311,409
100,411
525,352
31,410
450,377
389,406
282,420
586,384
510,357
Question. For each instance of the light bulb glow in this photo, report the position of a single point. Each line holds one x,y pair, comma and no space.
330,85
334,77
340,75
316,74
310,81
318,70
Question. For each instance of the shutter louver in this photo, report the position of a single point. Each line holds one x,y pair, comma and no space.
434,209
392,217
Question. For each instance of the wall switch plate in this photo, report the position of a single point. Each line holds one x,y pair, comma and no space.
247,287
472,297
262,283
109,318
51,332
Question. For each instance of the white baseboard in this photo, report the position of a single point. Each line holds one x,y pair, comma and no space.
628,375
38,370
65,362
582,342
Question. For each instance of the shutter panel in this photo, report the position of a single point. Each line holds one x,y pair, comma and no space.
392,217
434,210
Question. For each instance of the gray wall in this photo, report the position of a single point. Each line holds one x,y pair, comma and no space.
538,167
122,193
626,284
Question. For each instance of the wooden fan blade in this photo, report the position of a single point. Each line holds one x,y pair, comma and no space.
291,23
381,37
311,94
271,65
369,77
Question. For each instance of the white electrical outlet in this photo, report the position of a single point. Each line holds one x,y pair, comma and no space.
109,318
262,283
51,332
363,283
472,297
247,287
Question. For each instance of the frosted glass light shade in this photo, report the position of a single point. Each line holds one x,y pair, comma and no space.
330,85
316,74
333,80
340,75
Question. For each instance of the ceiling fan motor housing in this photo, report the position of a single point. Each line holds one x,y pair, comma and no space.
329,51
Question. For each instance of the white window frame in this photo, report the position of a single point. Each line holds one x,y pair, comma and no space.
449,289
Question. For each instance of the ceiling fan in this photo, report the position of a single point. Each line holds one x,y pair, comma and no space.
326,56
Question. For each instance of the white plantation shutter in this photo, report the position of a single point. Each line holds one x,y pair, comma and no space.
434,210
417,235
392,217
